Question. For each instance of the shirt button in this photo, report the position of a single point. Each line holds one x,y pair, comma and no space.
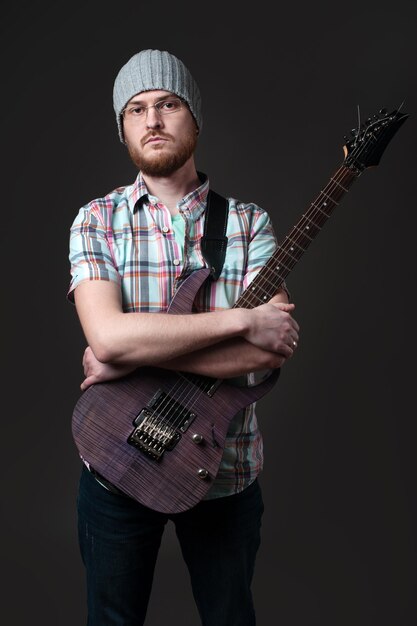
165,229
176,262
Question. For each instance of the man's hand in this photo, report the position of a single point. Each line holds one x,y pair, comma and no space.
273,328
97,372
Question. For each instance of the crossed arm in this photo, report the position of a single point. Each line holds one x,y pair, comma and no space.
220,344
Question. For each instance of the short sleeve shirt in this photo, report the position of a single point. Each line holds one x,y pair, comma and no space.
128,237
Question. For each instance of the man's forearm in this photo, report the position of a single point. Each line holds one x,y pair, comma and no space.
227,359
147,338
152,338
224,358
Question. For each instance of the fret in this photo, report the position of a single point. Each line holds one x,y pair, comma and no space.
319,218
291,249
303,233
321,210
309,219
255,288
276,273
285,266
289,238
248,299
337,183
325,203
271,279
254,291
329,197
287,252
308,225
331,208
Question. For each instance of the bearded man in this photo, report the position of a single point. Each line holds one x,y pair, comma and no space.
130,252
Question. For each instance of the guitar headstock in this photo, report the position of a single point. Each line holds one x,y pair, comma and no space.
367,143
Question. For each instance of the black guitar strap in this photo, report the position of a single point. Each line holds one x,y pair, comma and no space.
214,240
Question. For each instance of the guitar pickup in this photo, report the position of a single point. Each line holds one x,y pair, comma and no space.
165,411
207,384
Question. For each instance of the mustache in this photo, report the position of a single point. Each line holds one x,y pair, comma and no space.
155,134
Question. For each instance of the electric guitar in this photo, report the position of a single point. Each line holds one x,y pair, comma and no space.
159,435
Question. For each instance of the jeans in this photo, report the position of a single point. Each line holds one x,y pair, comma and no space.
119,542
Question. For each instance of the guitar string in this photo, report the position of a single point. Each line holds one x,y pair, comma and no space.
313,211
283,256
357,151
182,389
344,174
194,391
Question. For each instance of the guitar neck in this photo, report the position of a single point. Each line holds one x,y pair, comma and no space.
291,249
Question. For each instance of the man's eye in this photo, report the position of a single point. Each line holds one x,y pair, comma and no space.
135,111
170,105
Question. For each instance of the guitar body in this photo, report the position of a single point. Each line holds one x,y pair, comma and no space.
169,458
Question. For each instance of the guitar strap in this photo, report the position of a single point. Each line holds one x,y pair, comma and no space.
214,240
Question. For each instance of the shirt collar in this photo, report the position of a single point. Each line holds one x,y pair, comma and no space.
192,205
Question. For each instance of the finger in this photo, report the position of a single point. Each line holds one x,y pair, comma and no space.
286,350
295,325
85,355
284,306
294,337
87,382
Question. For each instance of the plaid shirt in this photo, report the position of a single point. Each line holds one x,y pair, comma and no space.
128,237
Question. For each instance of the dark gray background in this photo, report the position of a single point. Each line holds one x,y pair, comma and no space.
280,90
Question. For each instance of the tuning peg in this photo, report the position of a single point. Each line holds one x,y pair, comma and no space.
382,111
368,121
354,132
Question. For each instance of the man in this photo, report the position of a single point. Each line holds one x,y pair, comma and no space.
129,252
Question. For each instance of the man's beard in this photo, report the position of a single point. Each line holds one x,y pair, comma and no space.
162,165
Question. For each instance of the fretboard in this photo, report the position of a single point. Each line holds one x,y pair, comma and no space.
291,249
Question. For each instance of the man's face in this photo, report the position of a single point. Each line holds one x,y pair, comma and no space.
158,144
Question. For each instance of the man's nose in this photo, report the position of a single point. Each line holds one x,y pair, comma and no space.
153,118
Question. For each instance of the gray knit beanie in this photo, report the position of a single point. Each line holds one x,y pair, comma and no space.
155,69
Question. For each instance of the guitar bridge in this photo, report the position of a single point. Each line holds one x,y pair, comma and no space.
159,425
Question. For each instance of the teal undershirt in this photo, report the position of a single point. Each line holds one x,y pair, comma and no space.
178,225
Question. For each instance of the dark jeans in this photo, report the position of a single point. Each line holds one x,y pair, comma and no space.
119,542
